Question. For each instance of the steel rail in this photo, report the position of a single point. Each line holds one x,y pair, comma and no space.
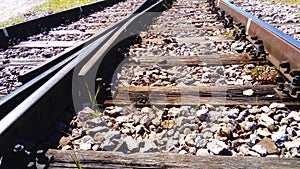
44,67
39,75
281,47
39,25
46,103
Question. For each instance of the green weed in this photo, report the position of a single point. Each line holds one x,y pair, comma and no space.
93,99
75,159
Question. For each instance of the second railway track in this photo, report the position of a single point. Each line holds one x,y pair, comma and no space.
171,82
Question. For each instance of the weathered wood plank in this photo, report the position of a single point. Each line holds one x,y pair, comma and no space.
45,44
193,95
98,159
225,59
198,40
188,28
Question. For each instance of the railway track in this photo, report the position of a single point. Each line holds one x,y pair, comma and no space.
173,81
51,39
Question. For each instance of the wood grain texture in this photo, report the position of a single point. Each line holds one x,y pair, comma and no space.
193,95
98,159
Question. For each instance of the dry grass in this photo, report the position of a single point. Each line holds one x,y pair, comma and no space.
291,2
51,6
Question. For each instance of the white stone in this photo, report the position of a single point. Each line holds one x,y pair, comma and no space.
216,146
294,115
202,114
85,146
202,152
277,105
248,92
265,109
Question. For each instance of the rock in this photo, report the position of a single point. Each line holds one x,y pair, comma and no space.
254,110
224,131
87,139
291,132
172,142
95,147
202,114
291,144
189,140
252,153
279,138
130,145
295,151
121,119
140,129
113,111
111,135
248,92
244,149
253,139
99,137
64,141
278,117
294,115
265,109
202,152
200,142
86,114
260,149
247,125
126,131
218,147
95,122
146,110
173,149
213,116
180,121
237,142
150,147
66,147
95,130
284,121
108,145
192,127
145,120
264,132
85,146
174,112
277,105
156,122
233,113
192,150
167,124
265,120
182,152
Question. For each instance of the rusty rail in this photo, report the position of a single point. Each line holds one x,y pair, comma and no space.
281,47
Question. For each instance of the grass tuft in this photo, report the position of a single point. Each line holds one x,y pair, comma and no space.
290,2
